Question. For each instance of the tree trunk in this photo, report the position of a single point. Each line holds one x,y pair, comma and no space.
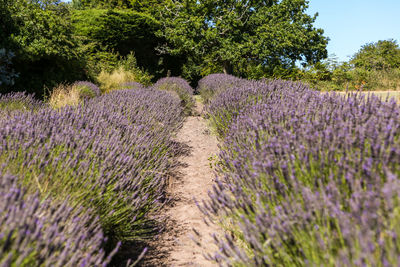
227,67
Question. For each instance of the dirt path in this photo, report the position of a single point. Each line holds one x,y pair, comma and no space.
195,179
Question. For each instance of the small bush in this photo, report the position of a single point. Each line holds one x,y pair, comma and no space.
87,89
18,102
180,87
214,84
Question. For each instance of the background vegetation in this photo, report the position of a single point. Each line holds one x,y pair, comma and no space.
45,43
376,66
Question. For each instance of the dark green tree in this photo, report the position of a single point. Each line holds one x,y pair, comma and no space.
240,36
107,34
146,6
101,3
382,55
39,34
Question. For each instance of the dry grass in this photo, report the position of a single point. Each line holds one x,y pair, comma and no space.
64,95
113,81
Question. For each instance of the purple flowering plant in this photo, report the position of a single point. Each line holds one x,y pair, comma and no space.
180,87
87,89
98,169
305,178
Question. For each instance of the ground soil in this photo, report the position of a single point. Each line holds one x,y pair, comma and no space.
193,179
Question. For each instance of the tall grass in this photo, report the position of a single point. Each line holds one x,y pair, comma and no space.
64,95
115,79
71,95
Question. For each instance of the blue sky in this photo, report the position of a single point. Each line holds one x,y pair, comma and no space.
352,23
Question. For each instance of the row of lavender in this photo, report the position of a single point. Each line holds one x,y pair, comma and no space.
304,179
77,181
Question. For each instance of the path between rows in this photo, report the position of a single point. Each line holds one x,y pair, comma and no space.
194,180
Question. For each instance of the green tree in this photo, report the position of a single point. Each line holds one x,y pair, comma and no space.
146,6
39,34
111,33
241,36
382,55
101,3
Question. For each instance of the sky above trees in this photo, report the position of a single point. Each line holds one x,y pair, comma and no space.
352,23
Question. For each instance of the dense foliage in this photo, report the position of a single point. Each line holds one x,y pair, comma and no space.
90,176
57,42
7,73
376,66
305,178
107,35
147,6
382,55
249,38
39,34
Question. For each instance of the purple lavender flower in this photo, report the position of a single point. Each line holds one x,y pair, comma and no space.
305,176
88,89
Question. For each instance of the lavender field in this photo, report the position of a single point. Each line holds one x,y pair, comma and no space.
304,179
79,182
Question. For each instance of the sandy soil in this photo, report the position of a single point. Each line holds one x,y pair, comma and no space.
195,177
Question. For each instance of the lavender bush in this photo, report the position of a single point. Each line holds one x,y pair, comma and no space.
109,158
306,179
179,86
213,84
87,89
46,233
18,102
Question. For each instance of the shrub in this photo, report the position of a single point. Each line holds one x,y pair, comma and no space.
87,89
306,178
109,156
213,84
19,101
34,232
179,86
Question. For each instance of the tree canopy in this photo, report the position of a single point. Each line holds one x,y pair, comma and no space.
229,35
39,34
48,41
382,55
147,6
